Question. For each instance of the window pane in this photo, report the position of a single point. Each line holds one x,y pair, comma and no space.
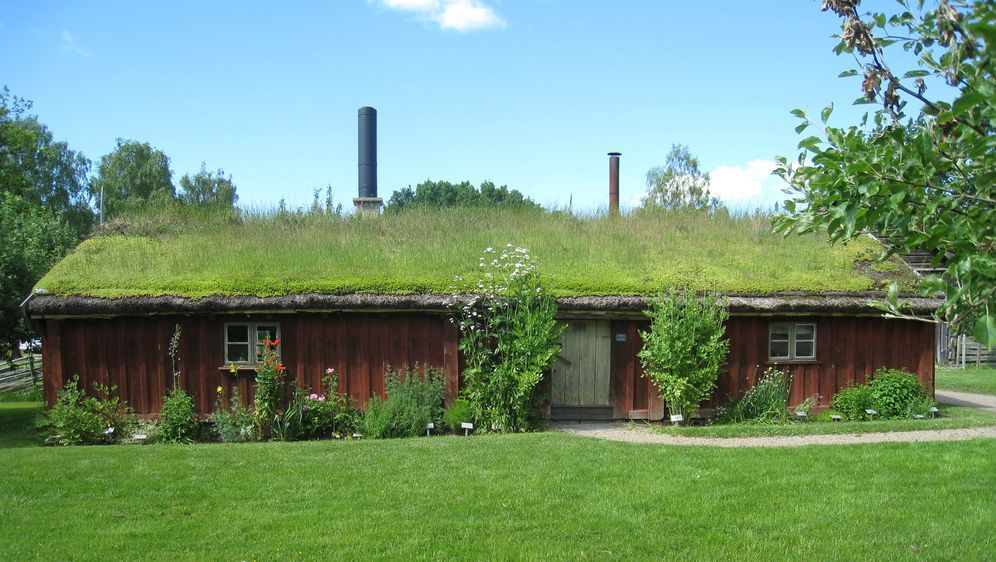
778,349
238,333
264,333
804,349
806,332
237,353
779,332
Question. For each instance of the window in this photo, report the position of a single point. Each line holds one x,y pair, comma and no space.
791,341
244,341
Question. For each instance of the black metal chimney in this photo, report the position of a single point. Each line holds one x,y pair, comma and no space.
367,200
368,152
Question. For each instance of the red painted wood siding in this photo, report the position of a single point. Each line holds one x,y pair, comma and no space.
848,351
132,353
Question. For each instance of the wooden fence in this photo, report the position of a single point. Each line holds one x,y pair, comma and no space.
961,350
21,373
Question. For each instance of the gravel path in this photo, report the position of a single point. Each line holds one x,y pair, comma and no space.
615,431
981,401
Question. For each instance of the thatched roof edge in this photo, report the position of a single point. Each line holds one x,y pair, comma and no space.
42,305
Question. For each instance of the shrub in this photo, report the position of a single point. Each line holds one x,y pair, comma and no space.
234,423
894,393
412,402
457,413
331,413
852,402
509,338
684,349
79,419
765,402
178,418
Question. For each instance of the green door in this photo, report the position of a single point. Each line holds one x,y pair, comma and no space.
580,377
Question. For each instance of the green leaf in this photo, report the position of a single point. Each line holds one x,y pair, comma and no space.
985,331
810,143
825,114
798,113
916,74
801,127
847,73
967,102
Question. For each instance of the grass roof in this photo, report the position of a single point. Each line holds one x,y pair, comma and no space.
422,251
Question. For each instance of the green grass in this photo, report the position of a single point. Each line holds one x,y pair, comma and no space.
422,251
951,417
979,381
532,496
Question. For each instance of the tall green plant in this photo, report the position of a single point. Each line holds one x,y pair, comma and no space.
684,349
509,338
269,387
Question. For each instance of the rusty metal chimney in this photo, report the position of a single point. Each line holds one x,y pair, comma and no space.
367,201
614,181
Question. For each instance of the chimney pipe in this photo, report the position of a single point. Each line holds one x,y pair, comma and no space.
614,181
367,201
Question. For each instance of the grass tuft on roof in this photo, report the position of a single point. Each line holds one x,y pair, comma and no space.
422,251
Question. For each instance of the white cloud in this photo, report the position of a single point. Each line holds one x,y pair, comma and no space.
69,45
455,15
735,183
468,15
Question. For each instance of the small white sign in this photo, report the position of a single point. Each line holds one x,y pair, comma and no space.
871,412
430,425
677,418
466,425
357,435
109,431
934,410
919,416
802,414
140,437
835,417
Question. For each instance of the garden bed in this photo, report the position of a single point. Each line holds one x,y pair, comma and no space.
950,417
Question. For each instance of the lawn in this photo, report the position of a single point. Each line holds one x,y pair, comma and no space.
423,250
950,417
534,496
980,381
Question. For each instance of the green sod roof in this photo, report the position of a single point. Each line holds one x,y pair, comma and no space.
423,251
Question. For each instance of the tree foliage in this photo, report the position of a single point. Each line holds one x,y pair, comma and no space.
131,176
685,348
919,169
679,183
440,194
32,239
208,189
40,170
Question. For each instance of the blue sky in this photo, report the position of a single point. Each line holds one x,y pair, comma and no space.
531,94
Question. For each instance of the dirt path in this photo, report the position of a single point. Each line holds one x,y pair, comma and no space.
623,432
971,400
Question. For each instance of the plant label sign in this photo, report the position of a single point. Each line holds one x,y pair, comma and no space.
621,337
677,418
430,425
466,425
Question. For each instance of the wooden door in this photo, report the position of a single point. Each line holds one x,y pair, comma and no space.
580,376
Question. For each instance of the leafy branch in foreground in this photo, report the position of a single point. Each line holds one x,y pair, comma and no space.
920,173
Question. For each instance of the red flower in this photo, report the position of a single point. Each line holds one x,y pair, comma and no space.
275,342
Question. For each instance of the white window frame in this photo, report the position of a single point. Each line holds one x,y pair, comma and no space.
791,328
254,343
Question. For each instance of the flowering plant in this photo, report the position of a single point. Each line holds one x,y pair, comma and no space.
270,382
509,338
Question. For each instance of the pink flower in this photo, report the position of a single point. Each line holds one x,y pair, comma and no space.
313,396
329,371
321,398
